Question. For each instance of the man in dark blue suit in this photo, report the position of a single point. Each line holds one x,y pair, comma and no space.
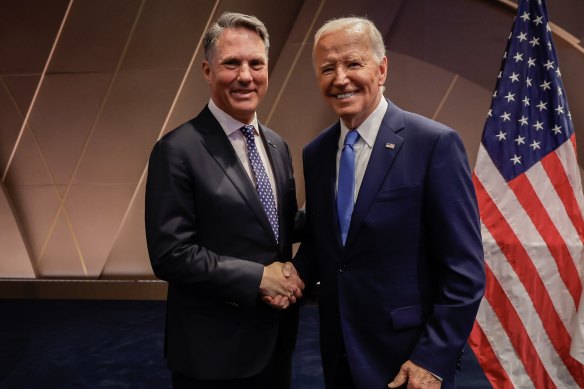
393,232
220,211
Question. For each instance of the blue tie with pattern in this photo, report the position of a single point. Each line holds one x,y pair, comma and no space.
261,179
346,183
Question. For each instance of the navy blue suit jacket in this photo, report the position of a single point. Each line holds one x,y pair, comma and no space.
408,283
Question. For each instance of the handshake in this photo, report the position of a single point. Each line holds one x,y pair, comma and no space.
280,285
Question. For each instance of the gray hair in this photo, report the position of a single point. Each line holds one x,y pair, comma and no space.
233,20
355,23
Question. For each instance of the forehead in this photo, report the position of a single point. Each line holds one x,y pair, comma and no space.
342,43
240,41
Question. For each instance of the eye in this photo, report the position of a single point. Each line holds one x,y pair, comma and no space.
231,64
354,65
327,70
257,64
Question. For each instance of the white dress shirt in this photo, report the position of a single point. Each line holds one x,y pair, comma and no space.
367,133
232,127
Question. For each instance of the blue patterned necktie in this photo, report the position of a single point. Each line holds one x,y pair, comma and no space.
261,179
346,183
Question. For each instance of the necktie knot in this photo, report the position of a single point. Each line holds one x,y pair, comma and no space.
247,131
351,138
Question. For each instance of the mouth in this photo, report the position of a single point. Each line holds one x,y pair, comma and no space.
346,95
242,92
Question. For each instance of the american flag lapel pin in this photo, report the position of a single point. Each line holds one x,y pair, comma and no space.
390,146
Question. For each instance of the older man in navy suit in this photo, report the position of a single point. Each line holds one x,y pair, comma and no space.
393,232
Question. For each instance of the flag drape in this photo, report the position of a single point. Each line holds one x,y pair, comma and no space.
531,205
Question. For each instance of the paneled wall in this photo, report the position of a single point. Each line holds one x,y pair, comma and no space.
87,87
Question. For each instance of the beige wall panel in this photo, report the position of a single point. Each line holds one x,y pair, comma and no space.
61,125
27,32
96,212
10,122
128,126
129,255
35,207
94,36
28,166
469,122
61,256
167,34
463,37
191,98
21,89
15,261
415,85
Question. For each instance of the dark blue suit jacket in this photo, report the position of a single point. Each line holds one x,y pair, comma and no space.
209,237
409,281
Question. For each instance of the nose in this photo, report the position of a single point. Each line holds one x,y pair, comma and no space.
244,75
340,76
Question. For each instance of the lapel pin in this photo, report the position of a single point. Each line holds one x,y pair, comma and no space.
390,146
271,144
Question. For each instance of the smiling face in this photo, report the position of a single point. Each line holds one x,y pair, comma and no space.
238,73
349,75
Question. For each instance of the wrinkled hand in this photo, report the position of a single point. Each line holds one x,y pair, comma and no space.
281,285
416,377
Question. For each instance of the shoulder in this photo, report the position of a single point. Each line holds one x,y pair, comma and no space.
424,124
420,129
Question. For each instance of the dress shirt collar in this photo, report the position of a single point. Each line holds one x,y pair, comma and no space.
227,122
369,128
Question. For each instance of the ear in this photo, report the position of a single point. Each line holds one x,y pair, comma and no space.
382,70
207,72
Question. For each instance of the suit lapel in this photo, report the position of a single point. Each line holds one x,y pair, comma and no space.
279,170
328,170
220,148
385,150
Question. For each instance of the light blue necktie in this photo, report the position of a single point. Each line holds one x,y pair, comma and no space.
261,179
346,183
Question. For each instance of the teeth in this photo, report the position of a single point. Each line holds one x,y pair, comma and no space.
344,95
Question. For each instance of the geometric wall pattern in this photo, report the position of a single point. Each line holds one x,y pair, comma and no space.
87,87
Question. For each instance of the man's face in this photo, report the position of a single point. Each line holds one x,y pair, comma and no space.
349,75
238,73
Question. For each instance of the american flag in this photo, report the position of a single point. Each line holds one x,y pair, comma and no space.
530,199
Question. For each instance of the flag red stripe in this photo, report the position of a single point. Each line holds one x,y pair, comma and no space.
486,356
545,226
519,259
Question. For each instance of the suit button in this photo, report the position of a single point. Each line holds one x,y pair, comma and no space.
342,268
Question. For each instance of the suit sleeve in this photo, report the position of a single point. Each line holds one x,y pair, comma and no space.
304,260
172,233
455,257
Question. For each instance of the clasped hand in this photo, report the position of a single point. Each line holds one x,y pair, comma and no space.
281,285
